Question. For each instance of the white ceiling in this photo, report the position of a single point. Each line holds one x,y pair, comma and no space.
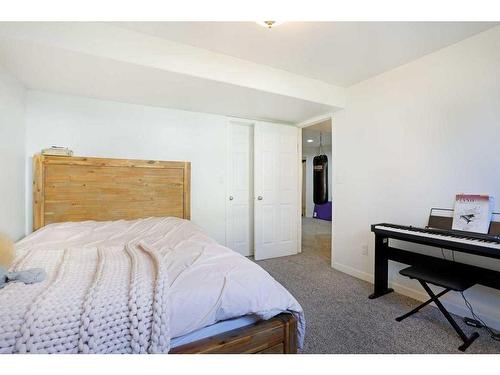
326,139
322,126
243,76
41,67
340,53
320,132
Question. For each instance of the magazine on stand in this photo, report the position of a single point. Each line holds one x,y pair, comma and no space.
473,213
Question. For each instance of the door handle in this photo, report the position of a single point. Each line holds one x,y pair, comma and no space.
231,197
260,198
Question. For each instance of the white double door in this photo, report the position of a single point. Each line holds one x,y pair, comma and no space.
262,211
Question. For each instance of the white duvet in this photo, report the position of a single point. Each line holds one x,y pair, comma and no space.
130,287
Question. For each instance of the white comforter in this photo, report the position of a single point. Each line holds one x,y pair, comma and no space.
130,287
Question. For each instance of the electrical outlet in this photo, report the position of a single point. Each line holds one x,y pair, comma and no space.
339,177
364,250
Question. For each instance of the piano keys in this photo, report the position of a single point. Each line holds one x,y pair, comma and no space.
441,237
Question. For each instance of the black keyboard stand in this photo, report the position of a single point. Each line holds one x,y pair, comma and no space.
381,287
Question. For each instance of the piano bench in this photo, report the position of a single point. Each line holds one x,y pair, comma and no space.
445,277
449,279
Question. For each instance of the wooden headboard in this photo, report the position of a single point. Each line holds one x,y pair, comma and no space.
80,188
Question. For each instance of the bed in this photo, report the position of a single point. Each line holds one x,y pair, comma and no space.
127,272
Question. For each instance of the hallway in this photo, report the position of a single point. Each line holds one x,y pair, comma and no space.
317,238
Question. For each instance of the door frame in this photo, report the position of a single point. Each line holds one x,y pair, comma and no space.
303,201
305,124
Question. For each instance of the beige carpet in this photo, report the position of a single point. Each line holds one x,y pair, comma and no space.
317,238
341,319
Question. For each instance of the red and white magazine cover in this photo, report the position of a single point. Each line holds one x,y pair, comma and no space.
473,213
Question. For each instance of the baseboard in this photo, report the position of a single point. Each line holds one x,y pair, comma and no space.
353,272
458,309
409,292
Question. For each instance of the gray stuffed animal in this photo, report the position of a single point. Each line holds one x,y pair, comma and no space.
3,277
30,276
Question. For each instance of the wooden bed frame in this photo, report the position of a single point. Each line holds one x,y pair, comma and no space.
274,336
83,188
80,188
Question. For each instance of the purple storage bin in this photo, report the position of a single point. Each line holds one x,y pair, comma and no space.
323,211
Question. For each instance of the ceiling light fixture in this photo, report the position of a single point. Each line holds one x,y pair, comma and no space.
269,24
310,140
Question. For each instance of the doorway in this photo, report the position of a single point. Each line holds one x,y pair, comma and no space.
317,217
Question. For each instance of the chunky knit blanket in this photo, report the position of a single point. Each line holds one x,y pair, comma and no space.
130,287
98,300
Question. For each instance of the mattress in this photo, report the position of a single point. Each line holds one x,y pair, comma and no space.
214,329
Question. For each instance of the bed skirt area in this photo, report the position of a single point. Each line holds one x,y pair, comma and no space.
274,336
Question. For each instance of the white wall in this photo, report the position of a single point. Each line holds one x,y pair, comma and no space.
12,151
109,129
308,153
408,140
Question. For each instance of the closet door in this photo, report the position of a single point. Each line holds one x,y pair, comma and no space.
276,185
239,207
